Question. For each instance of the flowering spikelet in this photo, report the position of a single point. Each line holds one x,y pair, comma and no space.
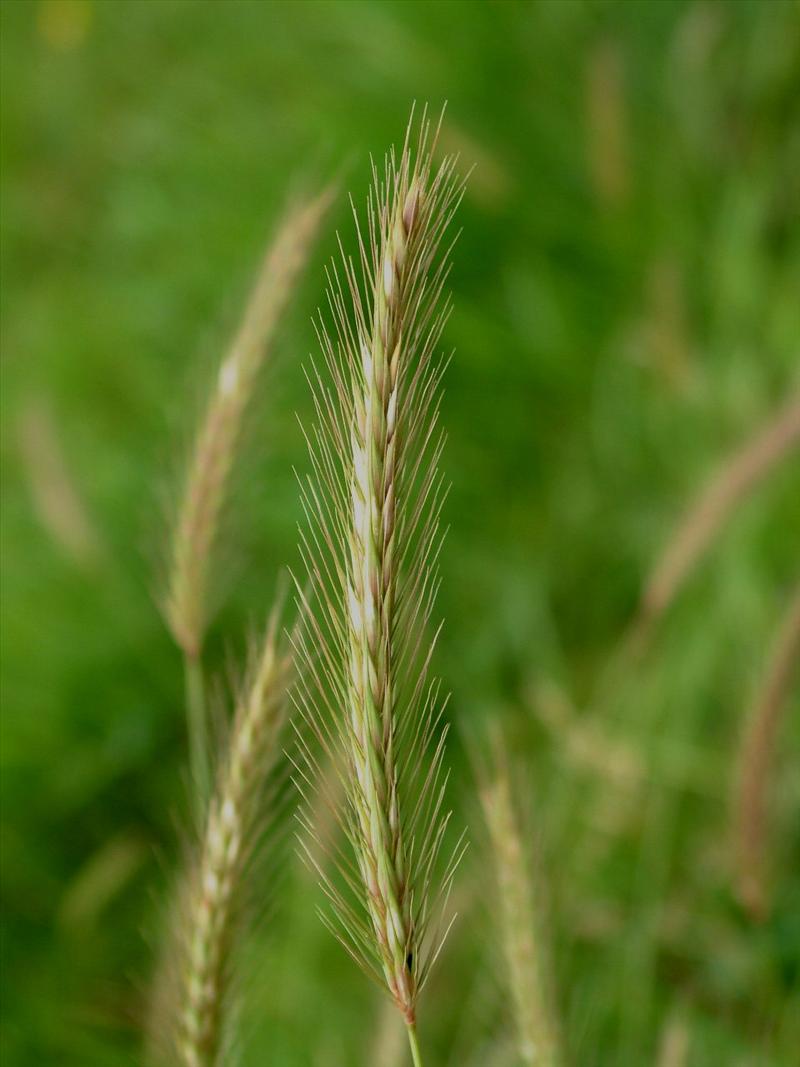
370,548
216,888
197,521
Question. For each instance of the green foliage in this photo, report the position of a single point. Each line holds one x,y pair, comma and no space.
625,315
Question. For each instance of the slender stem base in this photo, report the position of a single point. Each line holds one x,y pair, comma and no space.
416,1056
197,725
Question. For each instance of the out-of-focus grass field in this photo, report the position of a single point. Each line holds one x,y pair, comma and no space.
627,295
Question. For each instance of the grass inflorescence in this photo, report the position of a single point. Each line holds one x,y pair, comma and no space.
370,548
193,1024
197,521
519,917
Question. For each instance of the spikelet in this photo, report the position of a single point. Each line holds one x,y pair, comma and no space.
216,889
370,548
519,920
197,521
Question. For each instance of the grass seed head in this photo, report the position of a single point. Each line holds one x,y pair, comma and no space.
198,516
370,547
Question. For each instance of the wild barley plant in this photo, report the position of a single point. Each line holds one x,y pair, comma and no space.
370,548
197,521
217,888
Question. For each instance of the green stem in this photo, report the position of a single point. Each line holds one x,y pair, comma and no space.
198,729
414,1043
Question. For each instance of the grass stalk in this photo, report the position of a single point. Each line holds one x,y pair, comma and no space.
709,511
197,730
756,757
519,921
416,1055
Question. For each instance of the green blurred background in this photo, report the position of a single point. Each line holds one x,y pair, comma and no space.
626,312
